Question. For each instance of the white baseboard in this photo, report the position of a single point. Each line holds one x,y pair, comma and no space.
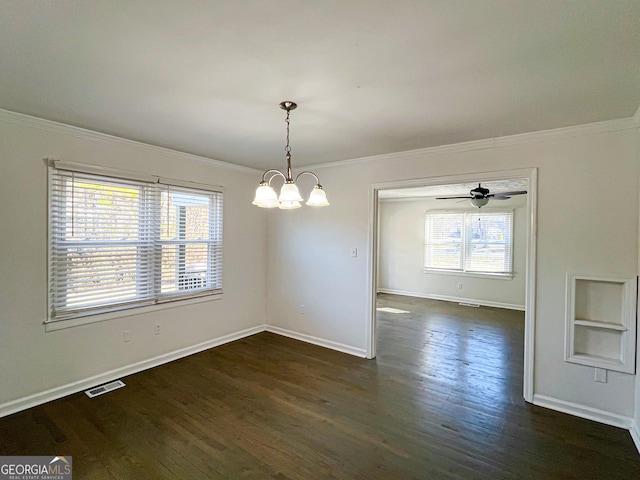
58,392
358,352
635,434
583,411
447,298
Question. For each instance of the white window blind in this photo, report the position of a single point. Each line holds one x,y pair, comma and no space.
444,241
116,243
475,242
489,242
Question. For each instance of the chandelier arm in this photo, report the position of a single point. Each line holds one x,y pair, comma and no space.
309,173
275,173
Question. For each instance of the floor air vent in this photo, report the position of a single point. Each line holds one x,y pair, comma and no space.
107,387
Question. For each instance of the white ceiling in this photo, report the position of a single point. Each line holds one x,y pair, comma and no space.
370,76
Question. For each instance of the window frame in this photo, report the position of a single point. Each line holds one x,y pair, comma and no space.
158,300
466,245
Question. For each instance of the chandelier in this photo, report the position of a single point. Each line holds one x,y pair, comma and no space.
289,197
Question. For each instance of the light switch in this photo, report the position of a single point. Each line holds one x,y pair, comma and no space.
354,252
600,375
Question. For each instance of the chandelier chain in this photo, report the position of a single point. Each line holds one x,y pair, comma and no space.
287,148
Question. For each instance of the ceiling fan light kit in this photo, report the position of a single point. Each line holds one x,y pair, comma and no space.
479,202
479,197
289,197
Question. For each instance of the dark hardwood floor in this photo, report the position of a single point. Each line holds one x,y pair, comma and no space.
443,400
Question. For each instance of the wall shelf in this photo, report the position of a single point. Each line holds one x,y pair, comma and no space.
595,324
601,322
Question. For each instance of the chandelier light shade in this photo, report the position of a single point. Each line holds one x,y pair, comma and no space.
317,198
289,193
289,198
289,205
266,196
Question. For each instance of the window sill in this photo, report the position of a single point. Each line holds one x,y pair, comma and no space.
493,276
54,325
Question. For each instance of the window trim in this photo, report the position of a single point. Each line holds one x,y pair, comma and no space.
470,273
135,307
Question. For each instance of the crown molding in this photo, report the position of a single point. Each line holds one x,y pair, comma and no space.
521,138
57,127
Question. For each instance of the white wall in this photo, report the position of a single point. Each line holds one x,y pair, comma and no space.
588,184
401,255
32,361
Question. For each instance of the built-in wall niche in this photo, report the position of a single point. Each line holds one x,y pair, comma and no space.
601,322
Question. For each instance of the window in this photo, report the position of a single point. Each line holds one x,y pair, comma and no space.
475,242
121,243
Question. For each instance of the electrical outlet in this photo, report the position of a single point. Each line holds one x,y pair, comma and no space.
157,330
459,286
126,336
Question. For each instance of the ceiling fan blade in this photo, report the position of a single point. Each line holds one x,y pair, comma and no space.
467,197
499,197
507,194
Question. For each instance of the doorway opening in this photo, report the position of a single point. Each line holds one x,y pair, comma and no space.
429,271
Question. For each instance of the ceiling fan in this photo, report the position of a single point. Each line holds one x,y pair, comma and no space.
480,196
